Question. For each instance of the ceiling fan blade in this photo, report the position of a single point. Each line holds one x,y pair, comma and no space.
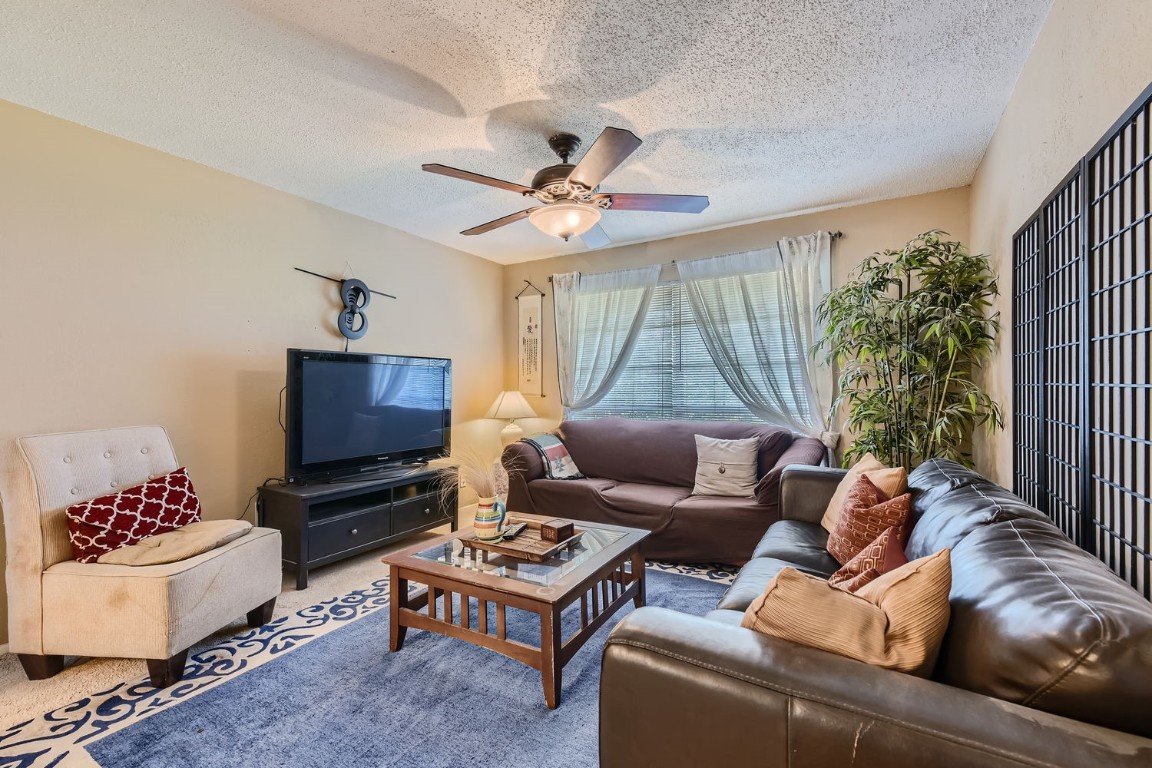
624,201
496,223
596,237
611,148
456,173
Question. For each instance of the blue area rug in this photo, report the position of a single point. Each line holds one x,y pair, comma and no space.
344,700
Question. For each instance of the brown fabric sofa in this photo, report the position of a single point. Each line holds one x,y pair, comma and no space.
1047,660
640,474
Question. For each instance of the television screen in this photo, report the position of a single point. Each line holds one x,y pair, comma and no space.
350,413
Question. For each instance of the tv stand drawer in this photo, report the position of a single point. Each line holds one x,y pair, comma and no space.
417,513
347,532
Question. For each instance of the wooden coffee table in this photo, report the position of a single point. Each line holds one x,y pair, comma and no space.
601,572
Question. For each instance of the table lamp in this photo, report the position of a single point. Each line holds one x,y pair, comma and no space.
511,406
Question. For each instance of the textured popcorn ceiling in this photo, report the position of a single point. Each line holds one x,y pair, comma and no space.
768,107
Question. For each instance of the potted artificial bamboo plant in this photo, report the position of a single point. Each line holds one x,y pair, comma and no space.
908,331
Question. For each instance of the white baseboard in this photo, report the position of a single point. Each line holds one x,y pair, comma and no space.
3,649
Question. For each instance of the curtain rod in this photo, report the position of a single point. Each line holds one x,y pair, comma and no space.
834,235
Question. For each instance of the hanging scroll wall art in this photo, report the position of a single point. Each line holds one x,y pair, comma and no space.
528,343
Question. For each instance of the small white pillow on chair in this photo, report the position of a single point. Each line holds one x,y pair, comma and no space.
180,544
725,467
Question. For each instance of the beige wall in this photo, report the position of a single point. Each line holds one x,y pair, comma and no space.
867,229
1090,62
138,288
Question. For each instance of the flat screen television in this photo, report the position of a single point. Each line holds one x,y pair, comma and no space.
353,413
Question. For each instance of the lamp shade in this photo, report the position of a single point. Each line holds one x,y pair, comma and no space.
564,219
510,405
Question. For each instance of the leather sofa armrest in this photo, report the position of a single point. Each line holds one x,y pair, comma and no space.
806,491
679,690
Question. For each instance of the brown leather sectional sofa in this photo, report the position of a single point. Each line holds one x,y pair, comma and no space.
1047,660
640,474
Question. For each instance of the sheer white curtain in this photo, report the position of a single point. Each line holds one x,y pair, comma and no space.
756,314
807,273
598,318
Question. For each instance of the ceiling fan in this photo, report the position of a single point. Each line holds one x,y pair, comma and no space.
571,201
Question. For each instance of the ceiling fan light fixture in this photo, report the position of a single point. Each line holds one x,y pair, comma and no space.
564,219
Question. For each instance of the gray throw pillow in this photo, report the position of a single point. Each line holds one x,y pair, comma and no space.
725,467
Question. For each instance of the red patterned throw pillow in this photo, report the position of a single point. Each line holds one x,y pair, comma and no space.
120,519
867,512
884,554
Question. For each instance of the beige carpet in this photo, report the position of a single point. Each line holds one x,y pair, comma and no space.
21,699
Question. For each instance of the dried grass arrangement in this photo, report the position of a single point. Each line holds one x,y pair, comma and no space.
487,478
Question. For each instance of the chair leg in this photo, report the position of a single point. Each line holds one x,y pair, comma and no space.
165,672
40,667
261,614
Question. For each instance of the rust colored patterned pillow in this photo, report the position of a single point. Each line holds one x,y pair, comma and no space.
119,519
867,512
884,554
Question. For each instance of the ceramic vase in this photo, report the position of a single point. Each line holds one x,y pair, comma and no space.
490,514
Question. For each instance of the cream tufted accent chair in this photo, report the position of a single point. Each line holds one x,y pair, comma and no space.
59,607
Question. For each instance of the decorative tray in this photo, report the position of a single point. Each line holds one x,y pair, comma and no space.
526,546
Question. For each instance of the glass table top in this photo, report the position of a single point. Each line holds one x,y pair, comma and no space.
456,554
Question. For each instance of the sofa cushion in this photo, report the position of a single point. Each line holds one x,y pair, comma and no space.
895,622
598,499
954,514
725,467
1038,621
800,543
641,498
659,452
180,544
936,477
711,529
753,579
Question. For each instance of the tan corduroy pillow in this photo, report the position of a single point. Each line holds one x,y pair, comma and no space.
893,481
180,544
896,621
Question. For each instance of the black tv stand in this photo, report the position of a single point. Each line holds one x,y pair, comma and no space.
325,523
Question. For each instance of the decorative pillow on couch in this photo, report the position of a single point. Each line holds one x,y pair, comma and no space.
866,514
558,463
896,622
884,554
893,481
725,467
119,519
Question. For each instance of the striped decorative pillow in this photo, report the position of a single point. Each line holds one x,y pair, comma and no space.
897,621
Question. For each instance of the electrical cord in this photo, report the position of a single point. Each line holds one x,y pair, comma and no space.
280,410
278,480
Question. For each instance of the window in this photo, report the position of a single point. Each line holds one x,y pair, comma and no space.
671,374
